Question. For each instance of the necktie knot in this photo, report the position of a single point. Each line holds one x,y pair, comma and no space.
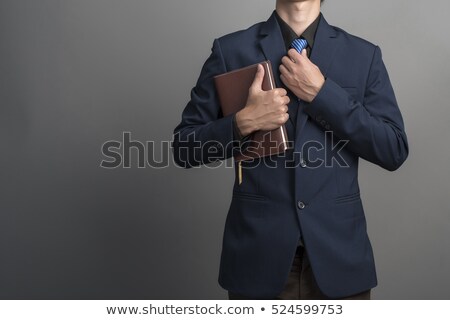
299,44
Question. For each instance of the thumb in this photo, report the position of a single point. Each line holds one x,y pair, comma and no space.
259,77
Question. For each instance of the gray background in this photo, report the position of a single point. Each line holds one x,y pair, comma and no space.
74,74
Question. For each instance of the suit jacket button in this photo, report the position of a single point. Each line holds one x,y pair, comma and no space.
301,205
303,163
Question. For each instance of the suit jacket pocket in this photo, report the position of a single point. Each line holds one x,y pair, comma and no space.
349,198
249,196
246,206
348,207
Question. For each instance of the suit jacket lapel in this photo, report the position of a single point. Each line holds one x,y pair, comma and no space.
273,48
322,55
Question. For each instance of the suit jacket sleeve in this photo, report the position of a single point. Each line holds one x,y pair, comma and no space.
374,128
204,135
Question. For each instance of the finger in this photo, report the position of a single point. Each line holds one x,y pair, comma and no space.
284,70
294,55
285,81
258,81
304,54
283,109
280,92
287,63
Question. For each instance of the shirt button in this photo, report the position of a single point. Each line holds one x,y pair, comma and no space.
301,205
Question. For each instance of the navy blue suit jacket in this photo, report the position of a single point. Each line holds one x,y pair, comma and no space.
305,194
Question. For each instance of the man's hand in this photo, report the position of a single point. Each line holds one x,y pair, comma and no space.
300,75
265,110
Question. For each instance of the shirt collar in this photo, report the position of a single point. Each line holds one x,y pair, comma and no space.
289,35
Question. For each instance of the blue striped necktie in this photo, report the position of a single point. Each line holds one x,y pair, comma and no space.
299,44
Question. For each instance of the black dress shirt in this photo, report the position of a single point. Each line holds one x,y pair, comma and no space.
289,35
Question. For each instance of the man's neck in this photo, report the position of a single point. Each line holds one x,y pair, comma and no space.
298,15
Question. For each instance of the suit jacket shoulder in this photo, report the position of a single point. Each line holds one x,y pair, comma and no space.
239,35
357,46
237,48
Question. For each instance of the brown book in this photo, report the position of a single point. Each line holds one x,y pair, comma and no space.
232,89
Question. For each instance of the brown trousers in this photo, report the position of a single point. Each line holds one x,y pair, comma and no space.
301,284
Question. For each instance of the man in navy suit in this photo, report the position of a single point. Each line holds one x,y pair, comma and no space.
296,228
